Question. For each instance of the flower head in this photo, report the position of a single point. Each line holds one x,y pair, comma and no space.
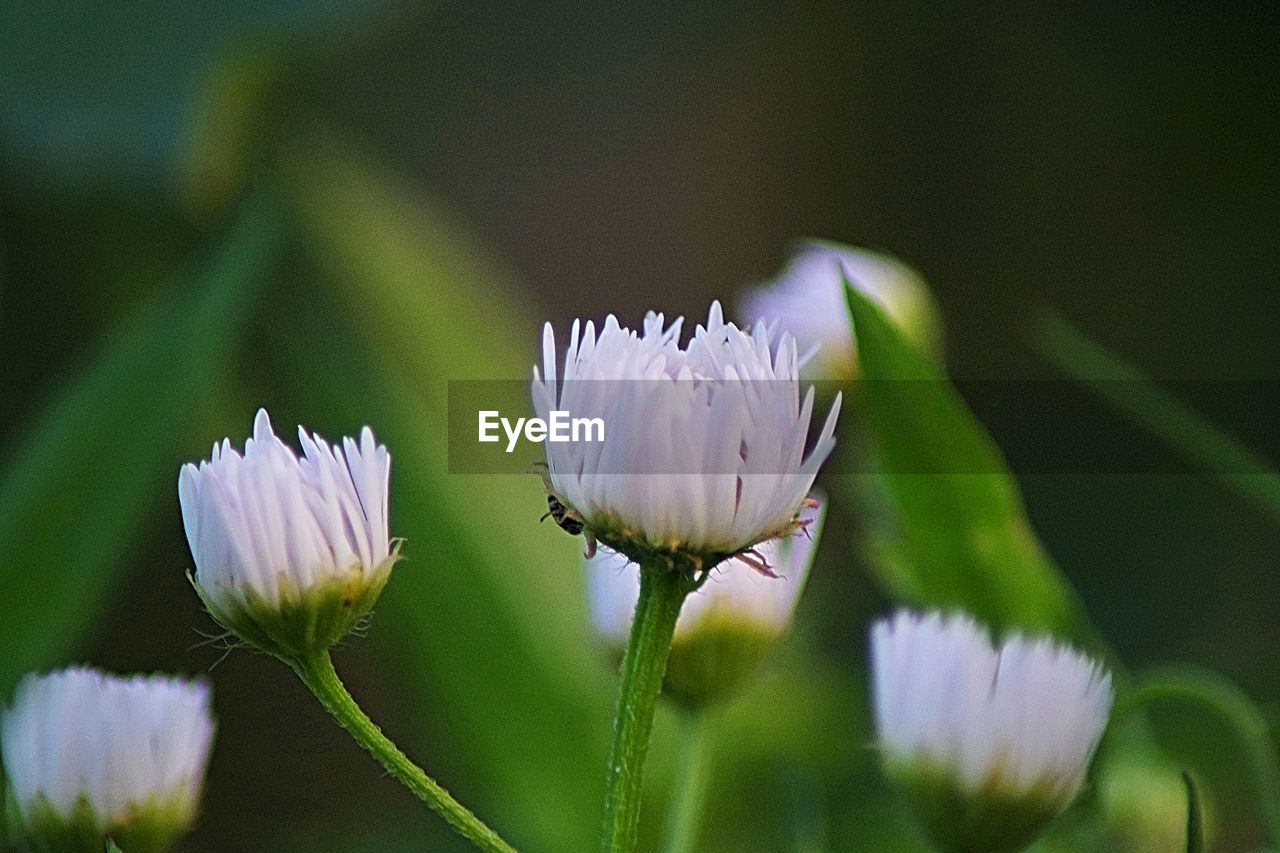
91,756
726,628
290,551
703,452
808,299
993,742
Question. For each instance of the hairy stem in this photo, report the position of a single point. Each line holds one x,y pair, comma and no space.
317,672
662,592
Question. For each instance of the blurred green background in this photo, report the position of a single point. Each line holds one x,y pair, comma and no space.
331,209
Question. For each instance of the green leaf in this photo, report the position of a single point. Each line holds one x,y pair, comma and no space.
484,621
75,489
1195,822
962,537
112,847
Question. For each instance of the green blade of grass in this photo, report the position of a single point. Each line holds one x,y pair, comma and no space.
1133,393
75,488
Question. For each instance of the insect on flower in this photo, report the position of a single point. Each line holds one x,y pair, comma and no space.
569,521
562,516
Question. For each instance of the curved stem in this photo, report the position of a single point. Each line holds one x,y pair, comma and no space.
1215,694
317,672
684,819
662,592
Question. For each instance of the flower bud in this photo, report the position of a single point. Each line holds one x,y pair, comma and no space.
990,744
290,552
807,299
702,455
726,628
91,757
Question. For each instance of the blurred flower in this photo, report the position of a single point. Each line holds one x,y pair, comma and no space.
726,628
807,298
702,456
990,743
91,756
290,552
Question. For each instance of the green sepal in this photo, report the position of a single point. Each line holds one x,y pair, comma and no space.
45,830
716,661
673,556
610,530
151,827
993,819
306,620
1142,801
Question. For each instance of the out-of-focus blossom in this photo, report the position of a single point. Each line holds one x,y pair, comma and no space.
991,742
91,756
807,299
726,628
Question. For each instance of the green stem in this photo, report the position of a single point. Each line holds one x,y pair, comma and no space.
662,592
1218,696
685,816
317,672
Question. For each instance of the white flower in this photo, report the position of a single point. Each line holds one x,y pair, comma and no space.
1009,728
808,299
290,551
704,445
110,756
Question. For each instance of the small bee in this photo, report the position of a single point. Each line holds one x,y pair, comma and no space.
563,516
569,521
